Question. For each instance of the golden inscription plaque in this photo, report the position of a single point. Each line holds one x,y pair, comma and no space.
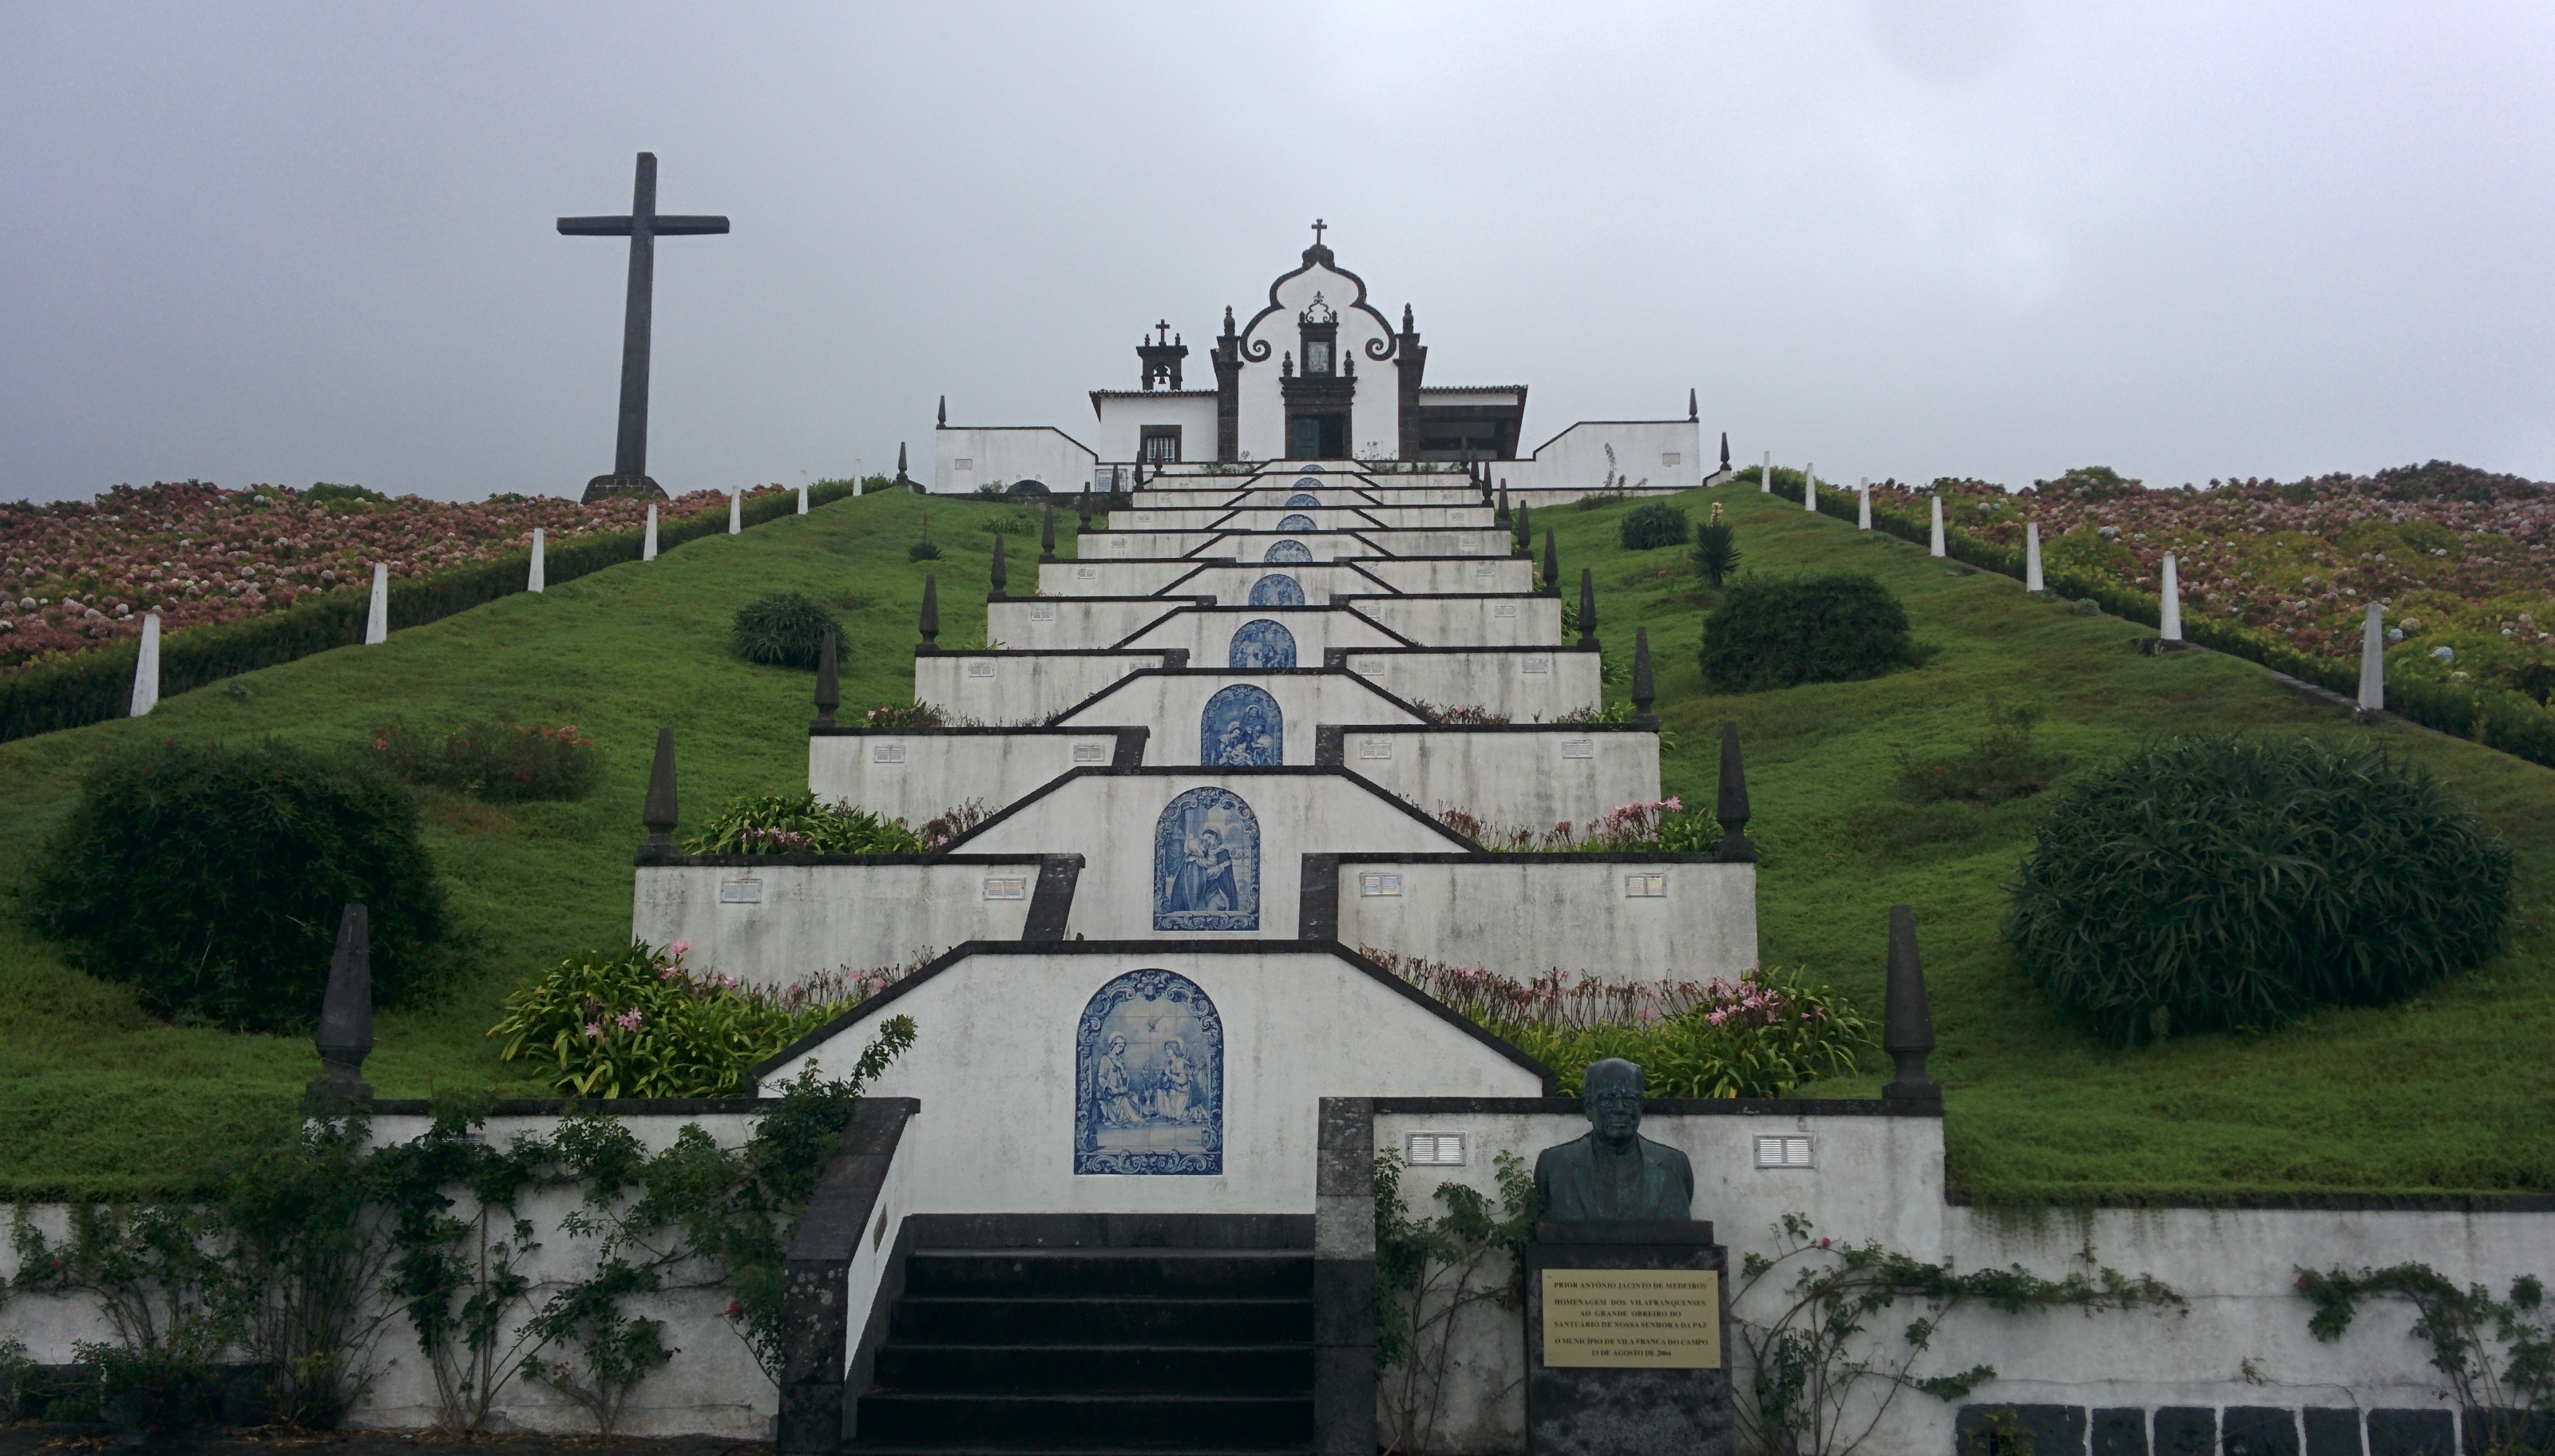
1632,1319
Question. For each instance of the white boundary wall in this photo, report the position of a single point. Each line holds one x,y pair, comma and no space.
770,922
1634,918
919,776
1521,685
1003,689
1467,619
967,457
1529,778
1173,706
1573,463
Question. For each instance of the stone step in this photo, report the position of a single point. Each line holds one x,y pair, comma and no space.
1151,1422
1092,1369
997,1320
1235,1274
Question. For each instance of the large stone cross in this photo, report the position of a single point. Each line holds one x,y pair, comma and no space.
641,227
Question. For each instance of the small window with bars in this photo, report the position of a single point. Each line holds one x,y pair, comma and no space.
1161,443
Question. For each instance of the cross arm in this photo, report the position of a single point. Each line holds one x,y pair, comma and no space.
679,225
595,227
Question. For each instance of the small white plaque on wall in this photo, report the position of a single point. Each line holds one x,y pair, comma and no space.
980,670
1091,753
1486,571
1042,612
1433,1150
1578,748
1374,885
740,892
1503,609
1118,544
1672,458
1470,546
1086,573
1538,665
887,752
1144,518
1366,666
1647,884
964,465
1375,748
1785,1150
1007,887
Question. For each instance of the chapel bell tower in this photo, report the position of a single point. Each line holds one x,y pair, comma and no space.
1161,354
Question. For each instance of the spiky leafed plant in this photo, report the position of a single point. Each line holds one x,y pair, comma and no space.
1716,551
786,629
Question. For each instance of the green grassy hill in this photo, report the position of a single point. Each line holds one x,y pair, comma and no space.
2445,1094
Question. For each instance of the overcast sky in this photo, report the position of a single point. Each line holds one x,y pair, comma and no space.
258,242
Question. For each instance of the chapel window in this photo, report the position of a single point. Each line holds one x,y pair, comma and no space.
1161,443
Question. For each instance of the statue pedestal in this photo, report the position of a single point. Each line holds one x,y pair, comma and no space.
603,487
1628,1339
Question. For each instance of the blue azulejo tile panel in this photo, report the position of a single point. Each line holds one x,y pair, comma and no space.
1302,498
1296,523
1149,1078
1206,863
1261,642
1289,551
1276,589
1242,728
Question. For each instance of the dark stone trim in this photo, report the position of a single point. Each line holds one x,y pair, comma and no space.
973,730
862,1372
1058,784
1344,1278
1330,744
561,1106
1408,643
1052,902
1417,718
818,1396
1317,898
1111,1230
1131,748
1120,949
648,857
1544,857
1318,254
2314,1202
1626,729
1655,1106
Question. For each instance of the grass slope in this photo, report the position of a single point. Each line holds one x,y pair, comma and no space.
2446,1094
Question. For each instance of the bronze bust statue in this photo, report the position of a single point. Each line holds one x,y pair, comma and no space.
1612,1172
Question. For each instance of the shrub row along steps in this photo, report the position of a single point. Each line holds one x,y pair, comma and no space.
1086,1350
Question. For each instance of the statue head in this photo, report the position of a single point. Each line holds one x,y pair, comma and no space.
1611,1091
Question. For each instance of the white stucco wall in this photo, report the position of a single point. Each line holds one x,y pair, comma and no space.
1110,818
1467,619
1573,462
1513,778
1499,572
1324,545
919,776
814,918
968,456
1375,413
1172,705
1525,685
1002,689
1331,488
1345,516
1124,415
1051,623
993,1065
1207,632
1096,575
1578,913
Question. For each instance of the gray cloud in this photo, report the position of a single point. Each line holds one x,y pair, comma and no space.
269,242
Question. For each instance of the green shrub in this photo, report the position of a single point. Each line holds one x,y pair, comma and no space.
501,762
2001,763
1716,551
640,1023
343,498
212,879
786,629
789,822
917,714
924,550
1658,524
1780,633
2218,884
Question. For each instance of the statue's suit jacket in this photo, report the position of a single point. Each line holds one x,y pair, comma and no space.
1567,1178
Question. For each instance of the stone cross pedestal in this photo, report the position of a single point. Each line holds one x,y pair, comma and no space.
1628,1339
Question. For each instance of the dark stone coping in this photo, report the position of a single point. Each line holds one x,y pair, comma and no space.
1650,1107
1000,652
1165,599
1544,857
2311,1202
1342,652
1626,728
676,859
1150,951
818,1383
1305,608
977,730
560,1106
1112,1230
1352,598
1162,770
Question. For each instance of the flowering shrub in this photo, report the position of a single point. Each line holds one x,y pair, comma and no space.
955,822
1458,712
503,763
76,574
798,822
905,715
1663,824
1760,1036
640,1023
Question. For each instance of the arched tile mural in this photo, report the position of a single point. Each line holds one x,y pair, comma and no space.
1242,727
1296,523
1149,1078
1260,644
1302,498
1206,863
1276,589
1289,551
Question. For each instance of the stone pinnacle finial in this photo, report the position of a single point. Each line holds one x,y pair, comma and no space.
1643,694
1551,564
1525,531
1002,574
929,622
944,412
829,686
900,477
1732,807
659,811
1082,509
1691,412
1047,534
1587,608
1724,449
346,1014
1228,318
1907,1021
1504,514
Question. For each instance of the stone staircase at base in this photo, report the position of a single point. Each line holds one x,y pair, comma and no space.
1091,1349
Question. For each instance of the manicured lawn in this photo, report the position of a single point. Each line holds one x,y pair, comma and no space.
2446,1094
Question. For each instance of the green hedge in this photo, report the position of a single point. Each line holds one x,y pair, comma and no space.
93,687
2487,715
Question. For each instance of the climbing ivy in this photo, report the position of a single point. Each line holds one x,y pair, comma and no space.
2499,1355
